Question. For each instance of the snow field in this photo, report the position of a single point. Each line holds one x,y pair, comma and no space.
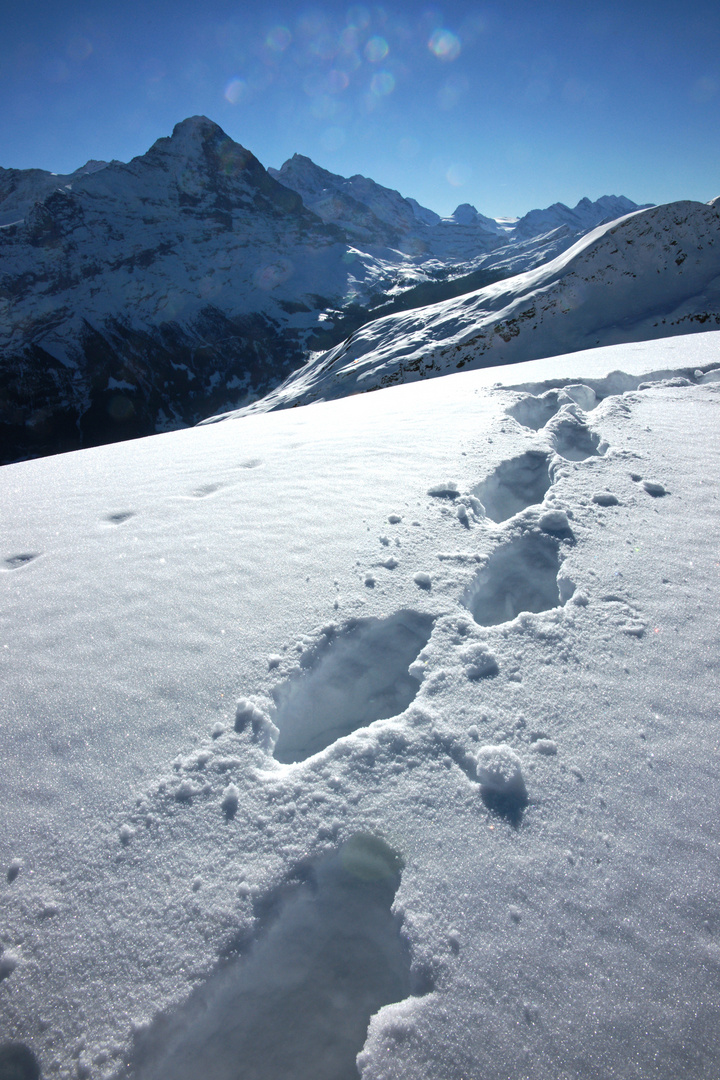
473,824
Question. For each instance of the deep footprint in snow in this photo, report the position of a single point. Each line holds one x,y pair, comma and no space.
297,1003
17,1062
535,412
573,440
117,519
519,576
13,562
514,485
358,675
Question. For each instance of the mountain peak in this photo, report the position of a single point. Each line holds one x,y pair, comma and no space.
197,127
465,214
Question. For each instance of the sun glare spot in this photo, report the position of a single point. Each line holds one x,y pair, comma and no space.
271,275
452,92
338,81
79,49
457,175
278,39
350,40
382,83
235,90
376,49
445,45
358,17
323,46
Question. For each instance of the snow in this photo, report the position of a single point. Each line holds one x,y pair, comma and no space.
196,256
462,823
651,274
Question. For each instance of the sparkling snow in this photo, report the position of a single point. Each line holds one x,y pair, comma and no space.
306,774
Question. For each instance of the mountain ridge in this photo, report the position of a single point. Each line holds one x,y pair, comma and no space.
653,273
143,296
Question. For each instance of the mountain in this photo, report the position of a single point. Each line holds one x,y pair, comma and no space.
361,206
373,740
585,216
136,295
652,274
142,297
20,189
378,215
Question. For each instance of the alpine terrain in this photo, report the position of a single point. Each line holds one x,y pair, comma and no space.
141,297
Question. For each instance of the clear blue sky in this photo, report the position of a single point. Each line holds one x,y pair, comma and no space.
508,106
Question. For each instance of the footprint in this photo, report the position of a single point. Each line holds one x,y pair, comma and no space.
122,515
13,562
17,1062
535,411
514,485
448,489
358,675
250,463
654,488
572,439
519,576
298,999
204,490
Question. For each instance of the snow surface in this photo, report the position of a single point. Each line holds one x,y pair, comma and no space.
373,738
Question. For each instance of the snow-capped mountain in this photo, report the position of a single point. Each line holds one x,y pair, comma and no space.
20,189
141,297
583,217
652,274
379,215
136,294
362,207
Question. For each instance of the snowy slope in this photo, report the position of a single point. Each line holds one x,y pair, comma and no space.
396,711
652,274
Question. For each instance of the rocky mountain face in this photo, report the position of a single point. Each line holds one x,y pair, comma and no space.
140,297
653,274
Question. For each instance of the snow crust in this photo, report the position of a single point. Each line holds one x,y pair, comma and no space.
493,848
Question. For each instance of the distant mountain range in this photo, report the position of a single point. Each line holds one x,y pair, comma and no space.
141,297
652,274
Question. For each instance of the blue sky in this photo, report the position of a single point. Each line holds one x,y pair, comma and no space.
507,106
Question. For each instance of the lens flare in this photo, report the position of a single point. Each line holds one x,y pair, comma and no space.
271,275
278,39
376,49
453,90
350,40
337,81
382,83
457,175
79,48
235,90
445,45
358,16
324,46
